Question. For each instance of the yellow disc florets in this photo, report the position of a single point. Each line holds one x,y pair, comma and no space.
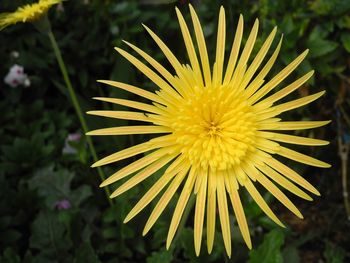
214,127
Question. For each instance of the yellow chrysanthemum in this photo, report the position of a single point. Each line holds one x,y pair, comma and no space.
221,131
27,13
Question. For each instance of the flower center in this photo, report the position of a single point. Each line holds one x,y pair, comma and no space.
214,127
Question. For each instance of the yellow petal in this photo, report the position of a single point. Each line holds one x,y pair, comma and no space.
279,195
133,89
282,181
199,213
154,191
125,130
189,45
261,202
203,53
155,143
240,216
258,59
290,88
292,139
223,213
278,78
135,166
145,70
122,115
165,73
143,175
293,125
249,44
220,44
302,158
259,79
168,54
164,200
132,104
211,210
234,51
291,174
126,153
180,206
298,102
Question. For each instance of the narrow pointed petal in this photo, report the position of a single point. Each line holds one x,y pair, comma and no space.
278,78
203,53
168,54
279,195
158,142
290,88
240,216
133,89
149,73
211,210
126,153
132,104
291,175
164,200
234,51
293,125
189,45
282,181
199,213
290,105
261,202
259,79
220,44
249,44
292,139
122,115
143,175
223,213
302,158
135,166
180,206
155,64
258,59
154,191
126,130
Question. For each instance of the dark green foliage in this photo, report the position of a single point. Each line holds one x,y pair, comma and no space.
35,176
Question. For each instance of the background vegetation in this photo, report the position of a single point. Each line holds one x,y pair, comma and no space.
51,208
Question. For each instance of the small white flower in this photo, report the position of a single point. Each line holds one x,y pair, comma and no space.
14,54
16,77
72,137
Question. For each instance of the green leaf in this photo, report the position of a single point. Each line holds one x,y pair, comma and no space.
48,236
270,250
291,255
333,254
345,39
55,185
162,256
86,254
10,256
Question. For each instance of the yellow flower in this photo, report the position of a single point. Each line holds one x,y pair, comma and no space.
221,131
27,13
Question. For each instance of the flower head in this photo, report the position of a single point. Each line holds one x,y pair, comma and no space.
16,76
221,133
63,204
68,148
27,13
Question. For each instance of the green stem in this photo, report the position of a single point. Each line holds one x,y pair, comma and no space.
76,106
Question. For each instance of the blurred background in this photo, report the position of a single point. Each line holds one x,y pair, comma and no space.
51,208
